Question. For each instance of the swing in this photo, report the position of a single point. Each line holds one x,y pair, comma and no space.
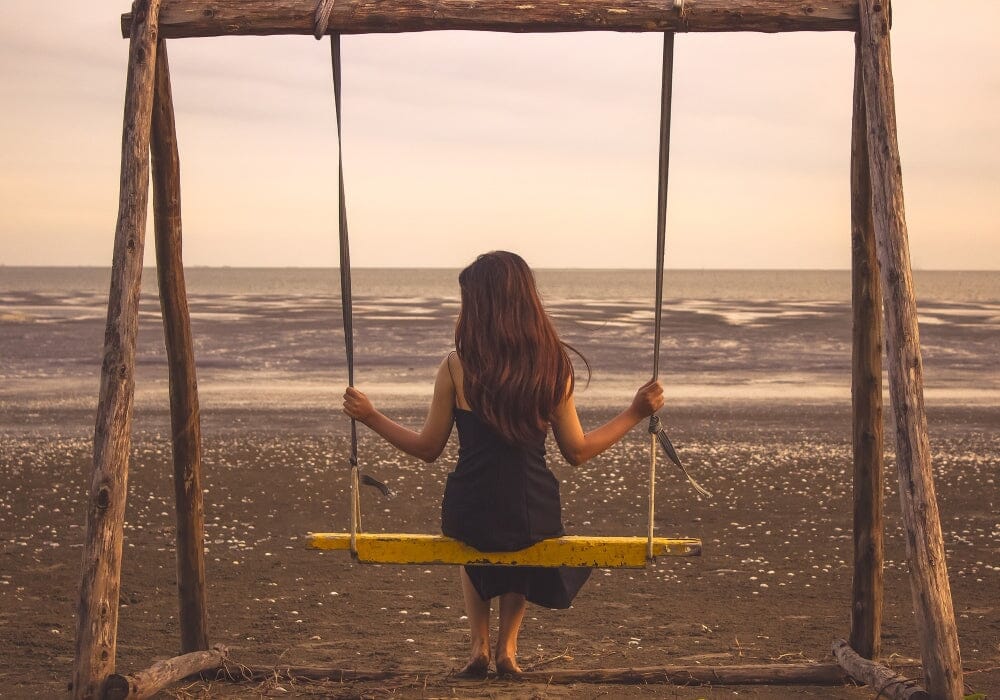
590,551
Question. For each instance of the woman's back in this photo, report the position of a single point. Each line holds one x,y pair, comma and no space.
500,497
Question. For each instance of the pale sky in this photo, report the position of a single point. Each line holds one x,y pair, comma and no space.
456,143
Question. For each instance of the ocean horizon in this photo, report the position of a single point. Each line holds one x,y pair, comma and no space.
272,336
960,285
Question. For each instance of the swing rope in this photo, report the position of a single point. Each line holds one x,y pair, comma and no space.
346,301
656,430
666,93
346,298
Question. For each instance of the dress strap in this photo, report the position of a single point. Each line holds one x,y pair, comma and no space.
454,385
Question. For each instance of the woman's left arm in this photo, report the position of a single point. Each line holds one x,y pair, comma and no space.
430,441
577,447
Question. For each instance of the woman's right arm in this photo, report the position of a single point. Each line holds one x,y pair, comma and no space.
577,447
429,442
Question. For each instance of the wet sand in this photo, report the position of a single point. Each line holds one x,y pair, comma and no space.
773,583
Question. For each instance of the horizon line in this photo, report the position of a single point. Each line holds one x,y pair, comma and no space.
449,267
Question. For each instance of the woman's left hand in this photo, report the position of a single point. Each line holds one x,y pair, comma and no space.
357,405
648,399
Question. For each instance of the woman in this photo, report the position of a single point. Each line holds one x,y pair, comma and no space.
509,380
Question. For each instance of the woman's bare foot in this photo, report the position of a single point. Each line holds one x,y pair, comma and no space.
507,666
478,667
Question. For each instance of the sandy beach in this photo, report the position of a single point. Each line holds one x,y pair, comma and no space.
757,369
773,583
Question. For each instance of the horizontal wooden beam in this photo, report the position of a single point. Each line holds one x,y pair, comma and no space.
191,18
598,552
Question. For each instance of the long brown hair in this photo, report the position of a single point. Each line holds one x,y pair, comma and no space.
516,369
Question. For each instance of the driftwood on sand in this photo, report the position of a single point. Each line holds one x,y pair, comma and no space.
882,680
743,674
147,683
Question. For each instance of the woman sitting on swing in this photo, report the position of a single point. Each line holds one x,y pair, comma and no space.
509,379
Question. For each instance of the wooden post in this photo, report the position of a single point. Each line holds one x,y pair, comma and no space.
188,18
185,419
97,610
866,393
924,544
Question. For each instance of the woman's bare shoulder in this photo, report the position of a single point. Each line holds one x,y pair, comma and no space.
452,367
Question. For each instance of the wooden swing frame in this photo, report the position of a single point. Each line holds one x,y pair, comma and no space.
881,277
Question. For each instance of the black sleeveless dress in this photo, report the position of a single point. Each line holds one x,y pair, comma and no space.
502,498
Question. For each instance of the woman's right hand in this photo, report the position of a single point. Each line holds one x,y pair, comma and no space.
648,399
357,405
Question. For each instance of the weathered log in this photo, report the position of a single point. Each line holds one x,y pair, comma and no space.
185,419
97,610
881,679
924,544
147,683
750,674
866,393
189,18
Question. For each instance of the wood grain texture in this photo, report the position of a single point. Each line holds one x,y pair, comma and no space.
929,584
185,417
866,394
97,609
190,18
882,681
570,550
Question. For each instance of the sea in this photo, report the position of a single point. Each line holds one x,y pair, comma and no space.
272,337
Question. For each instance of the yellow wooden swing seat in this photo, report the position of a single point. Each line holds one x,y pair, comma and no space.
571,550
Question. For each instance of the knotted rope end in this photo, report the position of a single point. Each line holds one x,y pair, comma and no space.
656,429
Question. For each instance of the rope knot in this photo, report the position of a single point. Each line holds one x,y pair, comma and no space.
656,429
654,424
321,18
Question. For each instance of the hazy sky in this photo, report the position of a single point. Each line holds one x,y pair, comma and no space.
457,143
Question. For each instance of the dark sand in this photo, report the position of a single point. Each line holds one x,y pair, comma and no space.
773,585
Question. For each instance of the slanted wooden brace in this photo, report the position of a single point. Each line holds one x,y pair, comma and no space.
185,416
881,275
